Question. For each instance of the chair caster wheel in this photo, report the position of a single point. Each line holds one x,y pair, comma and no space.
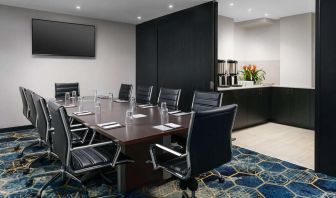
29,183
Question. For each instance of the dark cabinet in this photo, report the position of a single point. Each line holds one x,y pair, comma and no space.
253,105
294,107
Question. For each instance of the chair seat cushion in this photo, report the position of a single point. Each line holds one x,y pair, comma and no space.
173,163
89,157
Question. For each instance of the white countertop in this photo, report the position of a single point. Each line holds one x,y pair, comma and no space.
260,86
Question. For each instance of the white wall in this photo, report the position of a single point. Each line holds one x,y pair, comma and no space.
225,38
284,49
114,62
296,54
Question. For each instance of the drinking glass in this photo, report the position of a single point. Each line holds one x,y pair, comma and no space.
129,117
98,113
67,99
111,97
80,104
133,105
95,95
74,97
164,116
163,105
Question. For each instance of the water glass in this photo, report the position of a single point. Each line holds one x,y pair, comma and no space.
163,105
164,116
80,104
67,99
97,113
95,95
74,97
111,97
129,117
133,105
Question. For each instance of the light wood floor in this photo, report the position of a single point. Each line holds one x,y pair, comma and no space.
287,143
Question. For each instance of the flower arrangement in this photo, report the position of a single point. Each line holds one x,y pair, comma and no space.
251,73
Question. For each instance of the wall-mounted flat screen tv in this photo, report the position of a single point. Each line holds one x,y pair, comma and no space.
63,39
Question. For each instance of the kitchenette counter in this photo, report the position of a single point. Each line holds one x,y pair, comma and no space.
220,89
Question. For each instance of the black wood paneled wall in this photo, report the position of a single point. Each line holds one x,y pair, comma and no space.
325,119
179,51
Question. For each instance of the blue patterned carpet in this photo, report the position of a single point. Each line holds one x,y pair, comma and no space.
250,174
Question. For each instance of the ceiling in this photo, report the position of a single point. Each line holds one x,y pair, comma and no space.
128,11
273,9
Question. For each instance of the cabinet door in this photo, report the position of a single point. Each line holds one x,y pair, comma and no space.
258,102
240,98
300,108
281,105
146,56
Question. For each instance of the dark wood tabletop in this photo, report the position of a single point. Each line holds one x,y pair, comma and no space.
140,130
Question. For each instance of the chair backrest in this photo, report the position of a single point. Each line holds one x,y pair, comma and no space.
209,139
43,118
24,101
62,88
144,94
61,136
125,92
206,100
32,109
170,96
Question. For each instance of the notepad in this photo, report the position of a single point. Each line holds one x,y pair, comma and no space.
70,106
172,125
139,116
84,113
106,124
162,128
121,101
113,126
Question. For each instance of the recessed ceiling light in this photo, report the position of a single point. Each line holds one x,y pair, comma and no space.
78,7
139,17
171,6
266,14
250,10
231,4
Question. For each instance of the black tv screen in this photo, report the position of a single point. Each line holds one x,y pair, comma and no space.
63,39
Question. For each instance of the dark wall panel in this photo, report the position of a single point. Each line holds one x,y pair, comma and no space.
146,56
186,51
325,119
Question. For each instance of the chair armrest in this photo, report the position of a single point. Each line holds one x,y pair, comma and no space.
76,125
169,150
79,129
93,145
153,155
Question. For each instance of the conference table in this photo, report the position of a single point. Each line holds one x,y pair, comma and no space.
135,139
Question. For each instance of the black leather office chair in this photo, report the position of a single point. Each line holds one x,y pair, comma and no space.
44,128
25,109
171,97
209,135
32,110
62,88
81,159
144,94
206,100
125,92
